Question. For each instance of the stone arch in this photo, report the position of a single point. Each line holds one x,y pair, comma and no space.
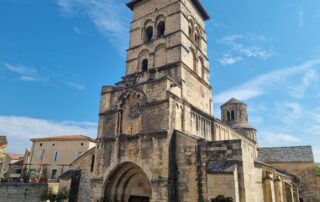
161,25
190,27
148,30
197,36
193,64
131,106
160,55
143,55
125,182
202,68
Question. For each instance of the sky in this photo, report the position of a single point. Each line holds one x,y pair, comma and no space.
56,54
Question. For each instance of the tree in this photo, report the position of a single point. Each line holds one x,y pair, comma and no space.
318,170
222,198
49,195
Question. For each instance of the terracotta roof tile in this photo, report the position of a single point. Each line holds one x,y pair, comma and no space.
15,156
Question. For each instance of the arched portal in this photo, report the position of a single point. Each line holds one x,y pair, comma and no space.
128,183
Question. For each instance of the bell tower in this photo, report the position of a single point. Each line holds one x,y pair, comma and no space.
168,38
165,91
235,114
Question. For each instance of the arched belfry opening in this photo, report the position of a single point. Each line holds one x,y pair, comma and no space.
161,28
145,64
149,34
128,183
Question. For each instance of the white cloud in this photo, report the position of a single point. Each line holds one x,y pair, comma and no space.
239,44
230,59
289,112
260,84
300,19
76,85
277,138
310,77
20,130
108,16
77,30
24,73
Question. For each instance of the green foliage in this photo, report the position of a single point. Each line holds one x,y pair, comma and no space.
318,170
49,195
222,198
63,194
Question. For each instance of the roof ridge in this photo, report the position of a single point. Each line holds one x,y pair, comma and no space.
285,147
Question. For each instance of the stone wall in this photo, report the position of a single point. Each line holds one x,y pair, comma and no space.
310,183
21,192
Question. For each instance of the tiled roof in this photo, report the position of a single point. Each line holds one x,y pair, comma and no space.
15,156
69,174
286,154
196,3
233,101
63,138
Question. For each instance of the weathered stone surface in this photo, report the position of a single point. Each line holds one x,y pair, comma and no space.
21,192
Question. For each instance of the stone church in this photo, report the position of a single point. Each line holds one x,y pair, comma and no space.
158,139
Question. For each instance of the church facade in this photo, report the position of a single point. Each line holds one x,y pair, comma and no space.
158,139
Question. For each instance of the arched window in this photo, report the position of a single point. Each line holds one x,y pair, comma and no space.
202,67
232,115
228,116
149,34
190,28
197,37
144,65
161,28
194,60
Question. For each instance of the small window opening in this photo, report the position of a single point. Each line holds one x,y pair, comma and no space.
190,31
232,115
40,144
92,163
81,143
228,116
145,65
149,34
161,29
53,145
56,156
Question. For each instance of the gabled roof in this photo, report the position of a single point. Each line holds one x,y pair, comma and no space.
64,138
15,156
70,174
233,101
286,154
196,3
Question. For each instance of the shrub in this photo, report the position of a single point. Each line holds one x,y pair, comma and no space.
318,170
49,195
222,198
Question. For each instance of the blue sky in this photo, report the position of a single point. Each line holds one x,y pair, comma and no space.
56,54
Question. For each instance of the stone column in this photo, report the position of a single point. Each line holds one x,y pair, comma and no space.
278,189
269,194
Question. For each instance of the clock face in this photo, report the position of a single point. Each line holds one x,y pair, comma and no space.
135,111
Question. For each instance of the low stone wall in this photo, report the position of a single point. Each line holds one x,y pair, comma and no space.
21,192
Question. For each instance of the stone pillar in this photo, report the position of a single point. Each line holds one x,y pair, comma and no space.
278,190
269,194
